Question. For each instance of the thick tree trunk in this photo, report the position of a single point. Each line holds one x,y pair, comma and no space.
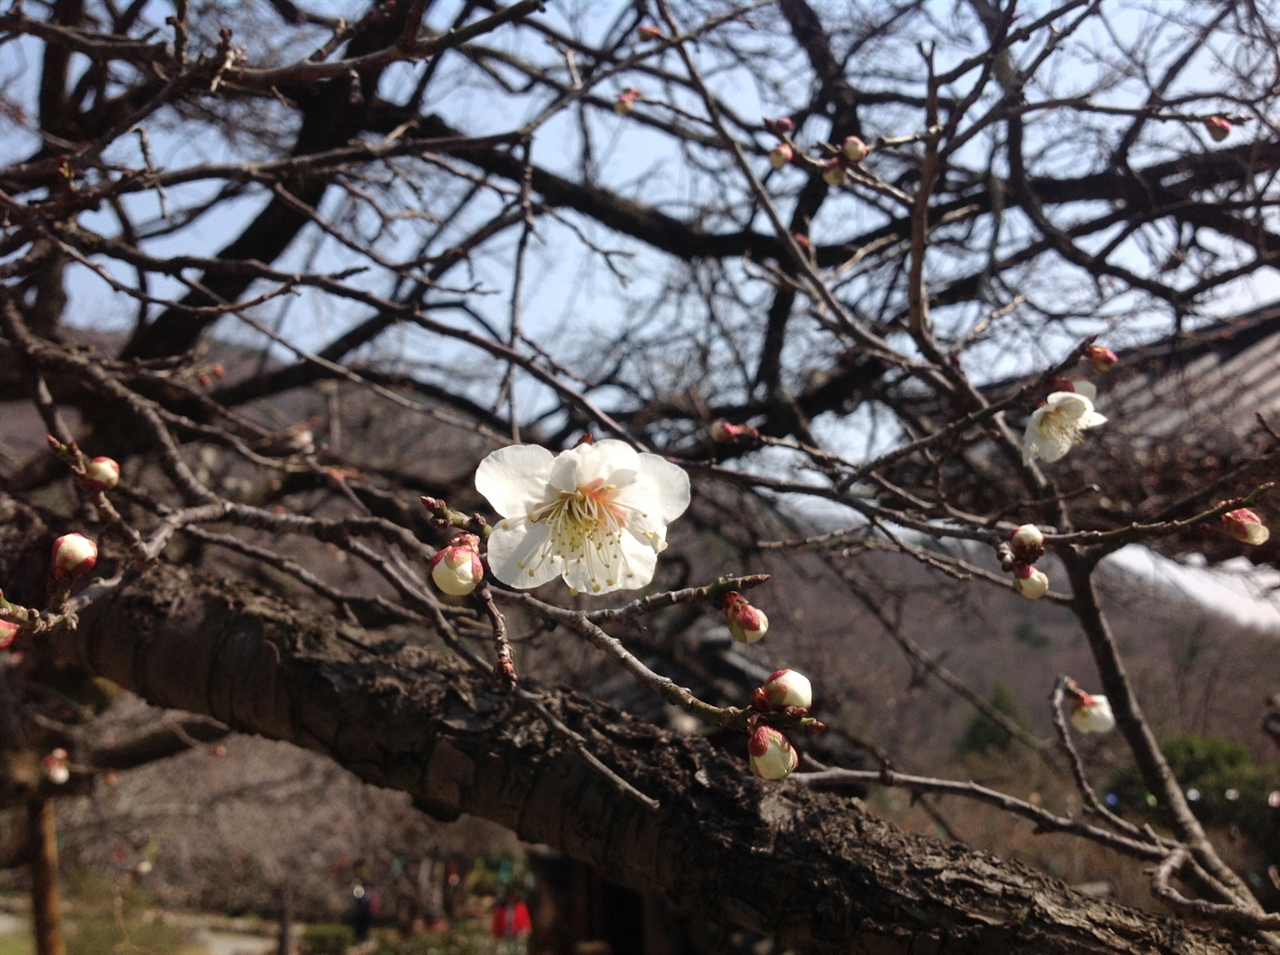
813,869
46,904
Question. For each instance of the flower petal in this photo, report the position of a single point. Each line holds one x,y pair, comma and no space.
520,554
662,490
514,479
638,563
610,461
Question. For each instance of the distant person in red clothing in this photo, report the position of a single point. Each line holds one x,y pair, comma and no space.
511,924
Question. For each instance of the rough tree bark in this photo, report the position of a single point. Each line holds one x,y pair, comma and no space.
814,869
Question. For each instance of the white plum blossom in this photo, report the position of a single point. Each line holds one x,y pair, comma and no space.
1057,425
595,515
1092,714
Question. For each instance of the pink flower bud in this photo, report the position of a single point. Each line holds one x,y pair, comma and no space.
1027,543
1091,714
833,172
102,474
1102,359
55,767
787,688
8,631
724,432
1077,385
854,149
649,33
1246,526
780,156
626,101
456,568
73,555
802,240
782,124
1030,582
1219,128
771,754
747,623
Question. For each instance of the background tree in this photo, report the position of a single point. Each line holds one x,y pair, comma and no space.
335,259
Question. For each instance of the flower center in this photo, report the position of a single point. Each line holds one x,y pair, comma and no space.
1060,424
577,517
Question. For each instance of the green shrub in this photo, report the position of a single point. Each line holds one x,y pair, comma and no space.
327,939
1210,768
1027,632
983,733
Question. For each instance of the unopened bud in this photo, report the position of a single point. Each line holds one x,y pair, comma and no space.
8,631
786,688
1078,385
102,474
771,754
854,149
1030,582
55,767
1102,359
1246,526
782,124
780,156
1027,543
73,555
1219,128
833,172
725,432
1091,714
746,623
802,240
626,101
649,33
456,568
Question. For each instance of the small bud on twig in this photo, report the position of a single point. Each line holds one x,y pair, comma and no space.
73,556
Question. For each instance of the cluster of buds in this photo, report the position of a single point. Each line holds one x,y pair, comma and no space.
1090,713
782,153
205,377
1218,127
852,151
456,567
1246,526
1102,359
626,101
746,623
1026,545
74,555
725,432
56,768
